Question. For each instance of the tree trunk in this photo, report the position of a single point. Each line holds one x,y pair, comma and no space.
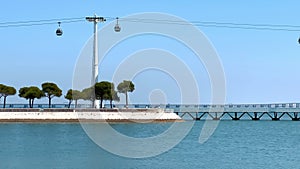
75,103
49,101
70,101
126,99
32,101
111,103
4,102
29,103
101,101
93,103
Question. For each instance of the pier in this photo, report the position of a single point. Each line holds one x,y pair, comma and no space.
255,112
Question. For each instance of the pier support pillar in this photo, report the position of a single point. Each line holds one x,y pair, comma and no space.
255,118
235,116
275,118
295,118
197,118
216,118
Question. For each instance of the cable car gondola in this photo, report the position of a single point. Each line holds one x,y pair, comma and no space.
117,27
59,31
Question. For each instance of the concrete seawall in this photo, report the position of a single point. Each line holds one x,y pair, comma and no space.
87,115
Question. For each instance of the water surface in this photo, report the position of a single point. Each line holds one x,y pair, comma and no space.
234,145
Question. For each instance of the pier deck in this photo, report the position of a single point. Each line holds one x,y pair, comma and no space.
240,112
275,112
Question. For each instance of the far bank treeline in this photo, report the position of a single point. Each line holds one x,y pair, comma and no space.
100,91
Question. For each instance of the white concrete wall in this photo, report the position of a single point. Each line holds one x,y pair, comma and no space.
140,115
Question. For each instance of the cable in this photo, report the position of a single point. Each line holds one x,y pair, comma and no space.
43,22
230,25
37,24
35,21
251,28
271,27
207,22
40,22
246,24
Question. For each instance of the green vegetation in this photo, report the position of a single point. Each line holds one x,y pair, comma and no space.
113,96
106,91
73,95
31,93
103,91
88,94
51,90
125,87
6,91
100,91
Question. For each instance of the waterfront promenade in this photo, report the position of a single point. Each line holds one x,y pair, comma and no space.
87,115
275,112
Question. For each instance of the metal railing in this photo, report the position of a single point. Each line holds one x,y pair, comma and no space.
167,106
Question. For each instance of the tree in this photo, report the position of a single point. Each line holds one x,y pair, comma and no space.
125,87
6,91
73,95
110,93
31,93
88,94
1,87
69,97
103,90
51,90
113,96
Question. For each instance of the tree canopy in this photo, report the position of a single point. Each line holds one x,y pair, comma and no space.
51,90
113,96
31,93
100,91
73,95
88,94
125,87
6,91
105,91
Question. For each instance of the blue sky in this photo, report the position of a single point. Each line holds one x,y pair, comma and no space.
260,66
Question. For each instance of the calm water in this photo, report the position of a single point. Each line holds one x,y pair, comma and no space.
235,144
